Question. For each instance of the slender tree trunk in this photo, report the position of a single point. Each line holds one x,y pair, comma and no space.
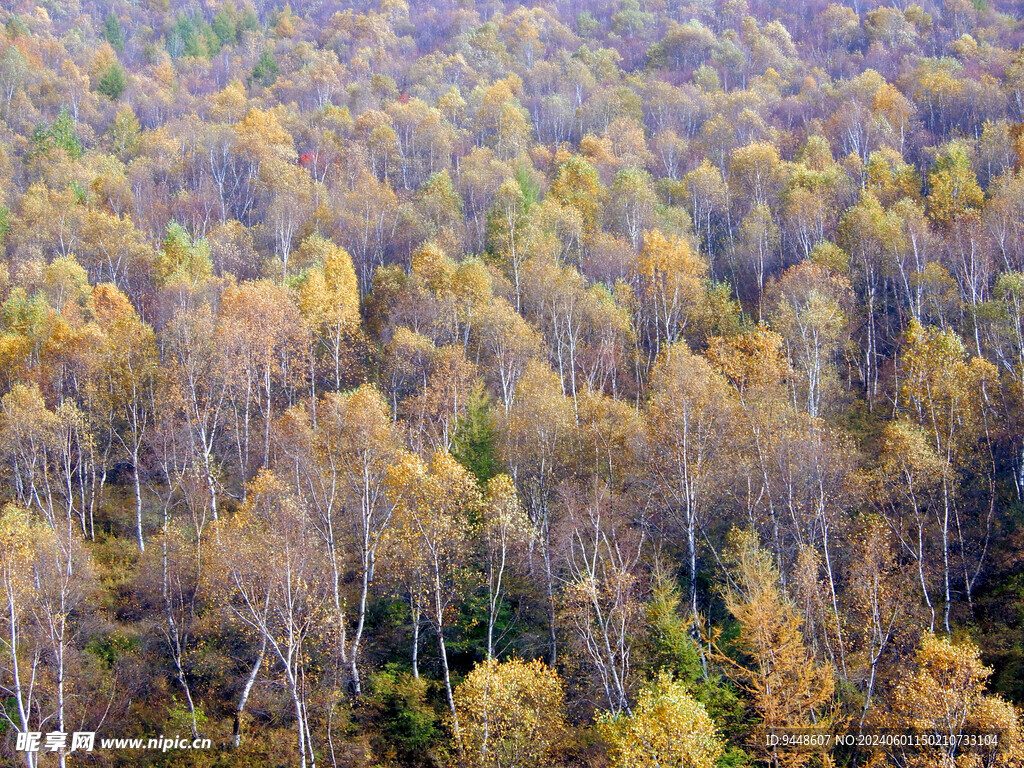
945,552
415,609
236,738
357,637
138,502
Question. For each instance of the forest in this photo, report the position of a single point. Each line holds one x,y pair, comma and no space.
580,383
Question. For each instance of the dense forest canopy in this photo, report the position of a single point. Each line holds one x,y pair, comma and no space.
578,383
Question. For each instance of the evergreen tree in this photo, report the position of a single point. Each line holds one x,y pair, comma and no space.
60,135
113,82
475,443
224,25
112,31
266,69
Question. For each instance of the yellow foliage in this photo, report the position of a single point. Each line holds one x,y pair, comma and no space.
945,696
668,728
512,714
755,360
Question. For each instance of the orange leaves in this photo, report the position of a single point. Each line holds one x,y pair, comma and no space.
109,305
788,688
357,421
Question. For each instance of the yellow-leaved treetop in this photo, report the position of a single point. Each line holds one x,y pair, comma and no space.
16,555
578,186
668,728
46,580
339,462
428,542
953,187
945,696
512,714
810,312
754,362
668,277
329,299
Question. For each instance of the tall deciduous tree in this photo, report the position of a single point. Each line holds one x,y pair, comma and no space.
273,572
689,418
329,300
128,376
668,277
428,540
948,395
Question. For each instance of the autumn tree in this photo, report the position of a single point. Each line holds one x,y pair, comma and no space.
667,727
811,311
602,599
505,531
272,572
538,431
786,686
689,419
329,300
668,276
946,393
510,713
128,376
954,190
944,693
340,463
262,336
427,541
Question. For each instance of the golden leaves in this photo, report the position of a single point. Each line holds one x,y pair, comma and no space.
670,267
668,727
755,360
329,297
511,714
945,695
788,688
942,387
